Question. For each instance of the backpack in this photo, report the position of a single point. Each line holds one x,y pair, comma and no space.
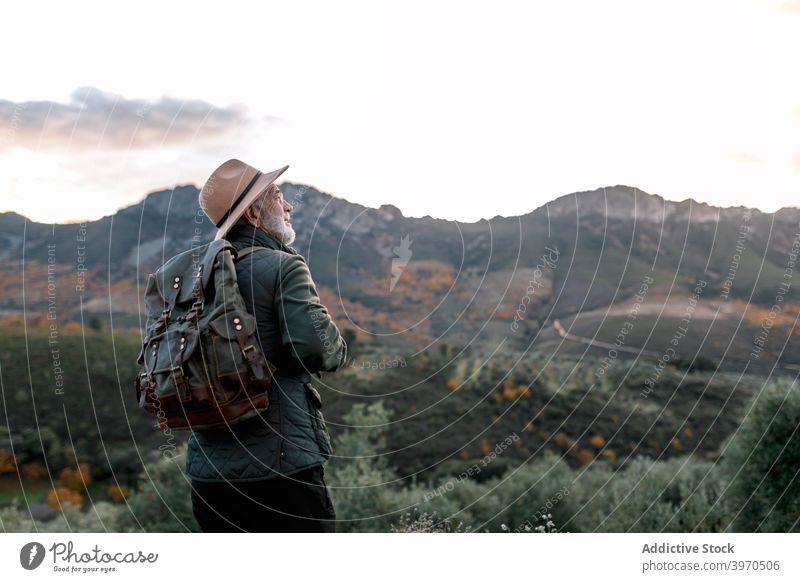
201,365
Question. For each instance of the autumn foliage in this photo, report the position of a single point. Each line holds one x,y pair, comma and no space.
33,470
562,440
62,495
72,482
7,462
610,454
584,456
512,392
118,493
76,479
597,441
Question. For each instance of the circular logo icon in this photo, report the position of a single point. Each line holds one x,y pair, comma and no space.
31,555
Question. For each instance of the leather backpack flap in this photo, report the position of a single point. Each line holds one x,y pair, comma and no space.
237,345
164,367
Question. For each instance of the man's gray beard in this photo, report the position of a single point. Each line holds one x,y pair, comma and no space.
277,228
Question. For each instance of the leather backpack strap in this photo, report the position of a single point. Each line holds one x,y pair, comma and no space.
146,378
251,355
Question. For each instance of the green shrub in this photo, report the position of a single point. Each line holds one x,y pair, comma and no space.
518,496
763,460
676,495
162,501
365,491
100,517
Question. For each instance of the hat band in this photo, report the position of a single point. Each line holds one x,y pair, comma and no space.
238,200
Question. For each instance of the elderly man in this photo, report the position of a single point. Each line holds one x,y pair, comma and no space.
266,474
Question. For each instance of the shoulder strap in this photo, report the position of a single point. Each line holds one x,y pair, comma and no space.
246,251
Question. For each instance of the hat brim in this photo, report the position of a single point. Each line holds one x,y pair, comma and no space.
264,181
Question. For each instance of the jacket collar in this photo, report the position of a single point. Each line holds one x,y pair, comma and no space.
251,236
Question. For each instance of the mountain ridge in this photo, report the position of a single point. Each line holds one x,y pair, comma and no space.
466,281
560,205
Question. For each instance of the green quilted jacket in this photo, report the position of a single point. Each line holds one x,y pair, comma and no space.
296,334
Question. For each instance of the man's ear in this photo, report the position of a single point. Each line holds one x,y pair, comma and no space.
252,217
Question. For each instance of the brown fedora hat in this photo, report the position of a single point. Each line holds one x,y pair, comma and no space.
230,190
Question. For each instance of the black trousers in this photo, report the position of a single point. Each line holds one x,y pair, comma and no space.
299,502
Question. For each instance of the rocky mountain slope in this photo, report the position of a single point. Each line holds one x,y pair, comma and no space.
407,281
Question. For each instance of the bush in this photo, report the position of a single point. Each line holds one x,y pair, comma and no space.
753,487
416,522
517,497
162,500
763,460
676,495
101,517
365,493
60,496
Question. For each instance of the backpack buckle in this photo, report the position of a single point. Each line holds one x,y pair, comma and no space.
251,357
193,313
146,388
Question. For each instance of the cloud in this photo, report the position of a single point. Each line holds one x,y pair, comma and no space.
791,6
99,120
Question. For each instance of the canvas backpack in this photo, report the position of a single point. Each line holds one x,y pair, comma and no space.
201,365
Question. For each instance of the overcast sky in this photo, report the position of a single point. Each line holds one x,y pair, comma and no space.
461,110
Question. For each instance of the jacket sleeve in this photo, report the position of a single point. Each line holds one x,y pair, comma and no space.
307,329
